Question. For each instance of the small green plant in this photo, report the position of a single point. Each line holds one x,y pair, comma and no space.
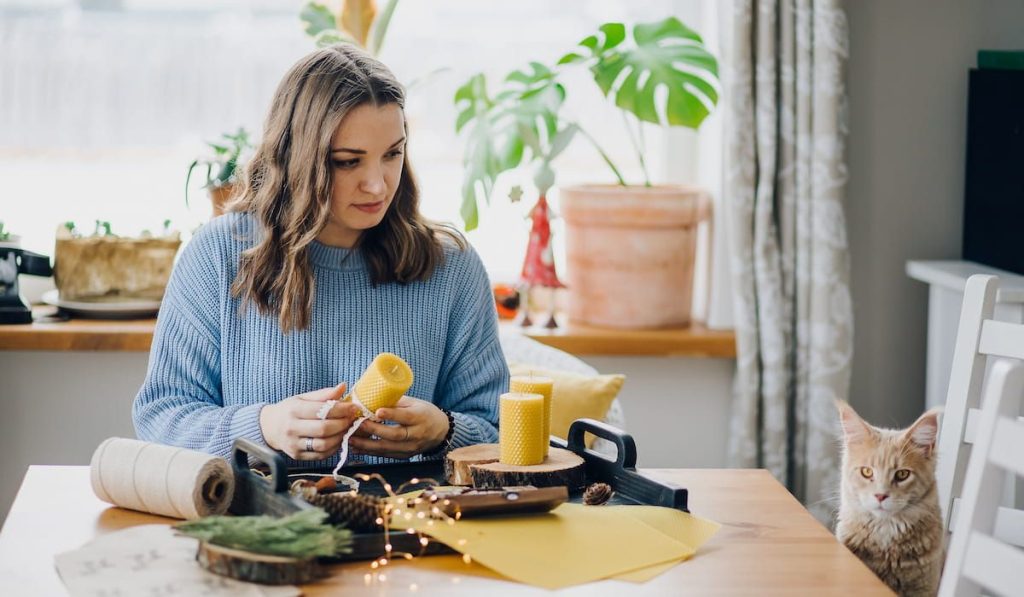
358,22
305,534
223,166
5,235
661,75
102,229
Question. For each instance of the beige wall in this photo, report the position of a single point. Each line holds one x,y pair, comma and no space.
907,83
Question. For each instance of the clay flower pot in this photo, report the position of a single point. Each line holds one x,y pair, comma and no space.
631,252
221,195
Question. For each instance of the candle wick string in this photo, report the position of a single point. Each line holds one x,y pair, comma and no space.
354,397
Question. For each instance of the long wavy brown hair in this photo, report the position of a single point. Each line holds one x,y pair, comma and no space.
287,188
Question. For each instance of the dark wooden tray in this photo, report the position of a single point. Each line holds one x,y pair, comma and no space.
257,495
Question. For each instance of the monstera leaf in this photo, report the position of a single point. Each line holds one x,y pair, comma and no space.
665,54
520,120
316,18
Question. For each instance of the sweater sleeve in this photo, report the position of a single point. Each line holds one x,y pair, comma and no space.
180,402
474,372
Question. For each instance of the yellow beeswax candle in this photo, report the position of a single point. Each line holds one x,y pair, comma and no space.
383,383
520,428
535,384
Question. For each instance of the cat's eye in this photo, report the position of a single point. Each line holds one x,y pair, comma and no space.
902,475
866,472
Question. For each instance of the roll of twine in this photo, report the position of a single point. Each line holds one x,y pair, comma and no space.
159,479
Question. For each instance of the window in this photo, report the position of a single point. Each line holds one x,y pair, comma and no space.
104,103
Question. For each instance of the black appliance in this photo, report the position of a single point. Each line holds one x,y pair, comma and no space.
13,261
994,185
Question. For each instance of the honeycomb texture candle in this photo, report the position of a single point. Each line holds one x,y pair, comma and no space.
532,384
521,428
383,383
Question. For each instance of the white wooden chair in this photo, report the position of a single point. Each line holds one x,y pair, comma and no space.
977,558
978,337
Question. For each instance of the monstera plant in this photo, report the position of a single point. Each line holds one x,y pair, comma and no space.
630,247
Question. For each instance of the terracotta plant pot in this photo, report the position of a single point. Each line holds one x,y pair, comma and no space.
631,253
220,196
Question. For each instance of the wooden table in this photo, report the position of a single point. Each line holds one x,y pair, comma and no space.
769,544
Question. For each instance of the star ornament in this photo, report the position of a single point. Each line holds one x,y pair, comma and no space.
515,194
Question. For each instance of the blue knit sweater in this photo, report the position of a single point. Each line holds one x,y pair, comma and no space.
212,370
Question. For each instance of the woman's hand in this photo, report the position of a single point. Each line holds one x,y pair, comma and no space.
421,427
287,424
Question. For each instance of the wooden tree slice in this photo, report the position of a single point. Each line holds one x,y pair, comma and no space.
456,465
479,466
256,567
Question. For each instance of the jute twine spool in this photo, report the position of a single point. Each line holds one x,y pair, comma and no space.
159,479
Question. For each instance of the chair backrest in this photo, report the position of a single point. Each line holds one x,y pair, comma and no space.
978,337
977,558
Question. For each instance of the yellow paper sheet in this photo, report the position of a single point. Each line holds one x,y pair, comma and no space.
573,544
682,526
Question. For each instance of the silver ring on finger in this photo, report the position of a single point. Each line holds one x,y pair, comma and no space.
309,444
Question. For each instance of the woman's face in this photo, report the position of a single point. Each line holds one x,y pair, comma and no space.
367,156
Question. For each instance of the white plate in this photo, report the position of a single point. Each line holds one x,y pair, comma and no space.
125,309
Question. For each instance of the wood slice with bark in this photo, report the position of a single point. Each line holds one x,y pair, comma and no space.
256,567
480,466
458,461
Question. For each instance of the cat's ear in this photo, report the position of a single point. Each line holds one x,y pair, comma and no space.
855,429
923,433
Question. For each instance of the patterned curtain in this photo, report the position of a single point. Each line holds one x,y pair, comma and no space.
785,175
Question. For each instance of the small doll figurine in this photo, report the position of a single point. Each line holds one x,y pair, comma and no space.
539,264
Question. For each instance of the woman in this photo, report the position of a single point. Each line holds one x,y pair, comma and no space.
322,263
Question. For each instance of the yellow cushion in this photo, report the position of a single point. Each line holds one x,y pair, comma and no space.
575,396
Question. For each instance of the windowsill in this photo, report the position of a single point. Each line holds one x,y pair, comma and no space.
576,339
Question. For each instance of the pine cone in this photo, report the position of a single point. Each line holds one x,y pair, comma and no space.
597,494
354,511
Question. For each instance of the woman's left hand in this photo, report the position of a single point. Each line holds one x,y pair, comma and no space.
421,426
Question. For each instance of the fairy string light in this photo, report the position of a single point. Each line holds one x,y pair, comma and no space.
399,506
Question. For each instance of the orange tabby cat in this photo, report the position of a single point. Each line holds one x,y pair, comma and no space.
889,514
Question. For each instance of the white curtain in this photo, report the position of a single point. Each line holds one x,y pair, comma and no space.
785,175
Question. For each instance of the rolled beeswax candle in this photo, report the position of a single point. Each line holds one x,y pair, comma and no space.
520,429
533,384
383,383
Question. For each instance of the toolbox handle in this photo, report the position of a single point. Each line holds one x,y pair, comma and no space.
625,446
245,448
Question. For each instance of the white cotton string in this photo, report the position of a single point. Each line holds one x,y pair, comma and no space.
325,409
348,434
159,479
